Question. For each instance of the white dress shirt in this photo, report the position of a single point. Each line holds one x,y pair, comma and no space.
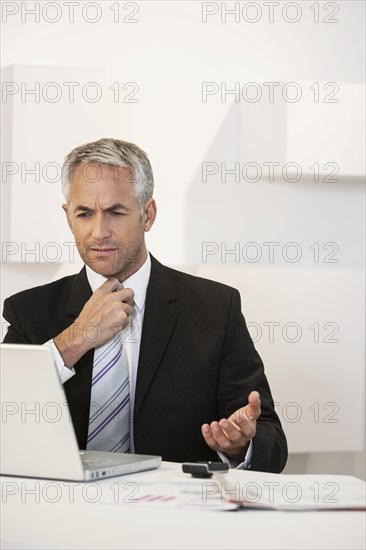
131,339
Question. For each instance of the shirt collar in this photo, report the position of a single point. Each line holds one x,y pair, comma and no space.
138,282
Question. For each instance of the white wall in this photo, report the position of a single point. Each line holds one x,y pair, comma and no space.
166,56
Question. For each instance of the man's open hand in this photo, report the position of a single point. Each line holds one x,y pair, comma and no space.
231,436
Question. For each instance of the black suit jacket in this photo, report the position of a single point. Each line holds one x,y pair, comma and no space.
197,363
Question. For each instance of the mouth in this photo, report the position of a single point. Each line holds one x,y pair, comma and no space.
104,251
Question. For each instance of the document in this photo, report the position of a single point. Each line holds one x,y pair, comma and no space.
178,491
238,489
291,492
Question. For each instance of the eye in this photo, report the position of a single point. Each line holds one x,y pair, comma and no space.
116,214
83,215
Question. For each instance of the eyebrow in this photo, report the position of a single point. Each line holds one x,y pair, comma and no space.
116,206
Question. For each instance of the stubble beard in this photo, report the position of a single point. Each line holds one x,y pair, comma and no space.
127,259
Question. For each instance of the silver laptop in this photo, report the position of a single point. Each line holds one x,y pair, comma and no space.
37,437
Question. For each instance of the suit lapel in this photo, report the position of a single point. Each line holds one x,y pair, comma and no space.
161,311
79,295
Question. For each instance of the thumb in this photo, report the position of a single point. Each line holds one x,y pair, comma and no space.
254,405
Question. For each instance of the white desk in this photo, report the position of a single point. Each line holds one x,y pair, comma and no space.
31,521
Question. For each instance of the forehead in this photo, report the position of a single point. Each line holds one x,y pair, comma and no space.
100,180
93,172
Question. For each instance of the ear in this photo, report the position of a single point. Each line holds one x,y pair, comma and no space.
149,215
66,209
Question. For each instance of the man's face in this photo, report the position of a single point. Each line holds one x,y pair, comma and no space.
106,220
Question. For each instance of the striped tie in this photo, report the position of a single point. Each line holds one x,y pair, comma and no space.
109,428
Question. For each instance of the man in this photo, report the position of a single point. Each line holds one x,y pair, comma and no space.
195,383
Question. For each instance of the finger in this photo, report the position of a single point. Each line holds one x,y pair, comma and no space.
222,440
242,420
254,406
110,285
126,295
217,438
127,309
233,433
208,436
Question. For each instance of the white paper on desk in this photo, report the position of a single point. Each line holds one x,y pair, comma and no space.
292,492
183,491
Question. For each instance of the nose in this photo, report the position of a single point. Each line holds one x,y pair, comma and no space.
101,229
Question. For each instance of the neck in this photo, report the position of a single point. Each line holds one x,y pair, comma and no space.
137,264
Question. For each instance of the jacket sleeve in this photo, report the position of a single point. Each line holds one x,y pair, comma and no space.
29,321
16,334
242,371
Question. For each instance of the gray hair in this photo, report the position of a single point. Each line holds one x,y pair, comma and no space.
112,152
